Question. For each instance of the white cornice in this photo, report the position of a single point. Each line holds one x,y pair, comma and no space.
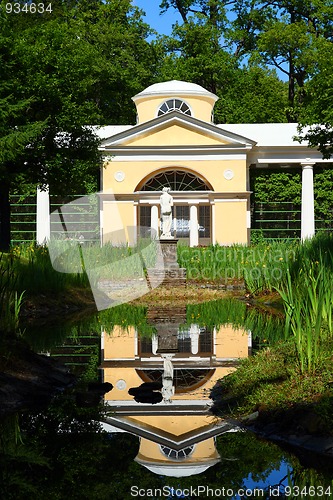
178,196
176,156
285,155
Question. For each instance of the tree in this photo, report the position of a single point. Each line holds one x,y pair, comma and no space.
246,94
284,34
316,116
62,72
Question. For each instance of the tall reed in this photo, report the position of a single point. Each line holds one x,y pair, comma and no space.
308,307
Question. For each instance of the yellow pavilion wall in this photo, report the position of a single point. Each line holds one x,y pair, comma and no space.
136,172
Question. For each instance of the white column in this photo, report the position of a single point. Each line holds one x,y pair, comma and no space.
43,217
136,224
154,220
194,226
248,205
307,210
213,238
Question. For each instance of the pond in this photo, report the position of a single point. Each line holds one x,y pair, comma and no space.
126,447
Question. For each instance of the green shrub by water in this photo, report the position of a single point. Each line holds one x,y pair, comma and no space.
307,298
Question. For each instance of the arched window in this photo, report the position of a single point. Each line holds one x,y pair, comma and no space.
174,105
176,180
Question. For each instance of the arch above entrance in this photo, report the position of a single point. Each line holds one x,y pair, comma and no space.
177,179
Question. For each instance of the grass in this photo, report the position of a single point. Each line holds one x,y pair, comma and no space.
271,383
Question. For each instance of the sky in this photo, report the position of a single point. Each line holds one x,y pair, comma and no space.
161,23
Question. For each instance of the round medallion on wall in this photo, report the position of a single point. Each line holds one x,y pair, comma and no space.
228,174
121,385
119,176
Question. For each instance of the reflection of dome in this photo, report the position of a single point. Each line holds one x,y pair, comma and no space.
173,470
175,87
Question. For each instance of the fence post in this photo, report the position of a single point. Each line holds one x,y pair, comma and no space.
43,216
307,216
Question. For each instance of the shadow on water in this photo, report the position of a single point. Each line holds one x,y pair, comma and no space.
122,448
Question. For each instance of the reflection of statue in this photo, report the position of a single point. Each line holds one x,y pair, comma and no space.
166,202
168,389
148,392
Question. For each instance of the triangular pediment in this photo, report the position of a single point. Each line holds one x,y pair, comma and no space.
176,129
158,435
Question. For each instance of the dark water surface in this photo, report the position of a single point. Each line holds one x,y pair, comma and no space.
125,448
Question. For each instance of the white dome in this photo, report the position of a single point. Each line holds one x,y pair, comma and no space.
175,88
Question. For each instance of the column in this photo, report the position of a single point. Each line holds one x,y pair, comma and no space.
307,209
248,206
194,226
154,220
212,223
43,217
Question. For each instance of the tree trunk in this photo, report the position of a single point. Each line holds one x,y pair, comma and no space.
182,11
4,217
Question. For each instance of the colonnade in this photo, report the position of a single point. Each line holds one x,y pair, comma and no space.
307,212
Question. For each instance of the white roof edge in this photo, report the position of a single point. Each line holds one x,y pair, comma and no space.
267,134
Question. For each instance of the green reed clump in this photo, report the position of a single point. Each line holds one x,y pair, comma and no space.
107,262
35,273
307,300
261,266
10,300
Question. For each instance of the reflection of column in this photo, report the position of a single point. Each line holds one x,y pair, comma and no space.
154,344
307,211
43,217
194,226
249,342
154,220
168,388
194,334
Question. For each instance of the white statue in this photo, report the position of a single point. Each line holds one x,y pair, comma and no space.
166,202
168,388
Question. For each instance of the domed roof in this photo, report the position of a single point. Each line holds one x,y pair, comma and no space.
175,88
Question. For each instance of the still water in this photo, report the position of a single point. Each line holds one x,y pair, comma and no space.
127,447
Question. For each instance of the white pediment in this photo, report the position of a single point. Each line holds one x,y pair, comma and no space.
176,129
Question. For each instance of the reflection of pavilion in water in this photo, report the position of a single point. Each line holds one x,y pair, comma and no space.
176,439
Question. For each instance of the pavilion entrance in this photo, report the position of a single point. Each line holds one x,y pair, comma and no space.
192,207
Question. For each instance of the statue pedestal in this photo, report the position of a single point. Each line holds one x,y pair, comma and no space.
168,255
167,271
